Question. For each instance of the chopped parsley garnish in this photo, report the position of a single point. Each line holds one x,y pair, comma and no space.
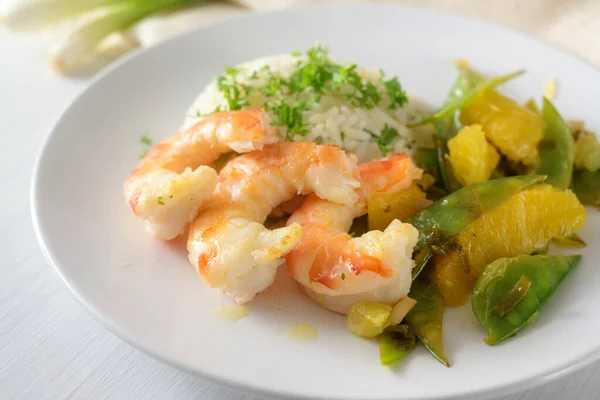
346,75
232,92
231,71
160,200
369,97
275,86
384,139
315,75
319,140
343,135
287,115
147,142
397,96
343,276
235,93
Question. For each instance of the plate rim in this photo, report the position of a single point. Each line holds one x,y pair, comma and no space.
256,388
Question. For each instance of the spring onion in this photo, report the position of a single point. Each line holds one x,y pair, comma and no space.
78,28
32,15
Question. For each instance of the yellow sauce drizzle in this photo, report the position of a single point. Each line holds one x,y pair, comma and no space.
302,333
232,313
549,88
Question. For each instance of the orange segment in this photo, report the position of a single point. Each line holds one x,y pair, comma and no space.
525,223
512,128
472,157
383,209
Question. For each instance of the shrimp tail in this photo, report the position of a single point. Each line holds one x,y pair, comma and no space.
166,200
273,245
245,264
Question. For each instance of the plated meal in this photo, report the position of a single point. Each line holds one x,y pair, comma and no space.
378,208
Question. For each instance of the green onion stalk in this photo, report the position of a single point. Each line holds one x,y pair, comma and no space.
85,23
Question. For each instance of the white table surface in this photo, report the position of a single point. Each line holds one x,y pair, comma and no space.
49,347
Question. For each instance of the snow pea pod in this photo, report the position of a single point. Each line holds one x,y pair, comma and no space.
510,292
395,343
556,149
421,257
444,219
586,185
427,160
426,317
467,86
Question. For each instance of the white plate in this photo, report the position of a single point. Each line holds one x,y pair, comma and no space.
159,305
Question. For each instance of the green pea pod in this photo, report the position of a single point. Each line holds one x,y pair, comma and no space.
445,130
557,149
510,292
427,160
426,317
444,219
467,79
421,258
586,185
395,343
468,85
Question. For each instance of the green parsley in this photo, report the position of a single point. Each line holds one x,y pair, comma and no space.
346,75
369,97
315,75
229,70
160,200
274,86
398,97
319,140
343,276
343,135
287,115
384,139
146,141
235,93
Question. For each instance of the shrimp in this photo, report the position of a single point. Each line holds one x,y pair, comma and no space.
335,269
175,179
228,243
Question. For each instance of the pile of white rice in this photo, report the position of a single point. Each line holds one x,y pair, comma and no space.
327,119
